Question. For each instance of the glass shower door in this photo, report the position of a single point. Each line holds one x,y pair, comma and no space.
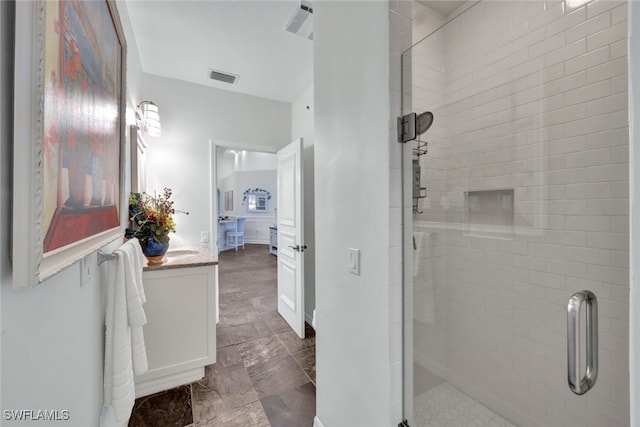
515,199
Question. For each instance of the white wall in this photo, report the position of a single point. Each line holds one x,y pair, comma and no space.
425,21
6,134
191,115
351,82
255,161
302,126
250,180
225,163
52,335
247,170
257,224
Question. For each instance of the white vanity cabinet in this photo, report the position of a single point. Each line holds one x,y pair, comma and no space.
180,334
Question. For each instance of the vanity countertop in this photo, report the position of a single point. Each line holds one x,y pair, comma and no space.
185,257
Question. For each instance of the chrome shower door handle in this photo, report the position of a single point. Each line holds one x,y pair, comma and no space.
580,385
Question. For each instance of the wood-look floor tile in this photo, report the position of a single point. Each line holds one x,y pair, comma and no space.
231,335
229,389
260,285
229,288
292,408
250,354
240,317
227,358
167,408
263,329
231,299
294,343
209,412
307,361
259,350
275,322
265,303
263,274
258,265
275,375
238,278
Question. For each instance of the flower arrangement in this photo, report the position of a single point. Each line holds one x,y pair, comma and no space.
151,217
255,190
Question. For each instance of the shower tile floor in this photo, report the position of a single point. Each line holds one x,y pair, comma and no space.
446,406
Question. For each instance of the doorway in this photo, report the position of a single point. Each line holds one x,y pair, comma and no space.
246,190
257,349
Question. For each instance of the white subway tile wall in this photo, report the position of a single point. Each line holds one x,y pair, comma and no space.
529,96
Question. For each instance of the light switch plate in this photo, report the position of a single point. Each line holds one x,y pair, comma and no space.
204,237
354,261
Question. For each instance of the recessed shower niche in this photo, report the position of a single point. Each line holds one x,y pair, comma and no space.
489,211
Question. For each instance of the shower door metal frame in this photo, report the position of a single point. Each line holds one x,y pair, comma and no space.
577,384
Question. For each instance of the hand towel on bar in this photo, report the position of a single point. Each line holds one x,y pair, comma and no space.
124,344
135,298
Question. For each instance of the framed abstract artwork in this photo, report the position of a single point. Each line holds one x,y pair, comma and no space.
68,134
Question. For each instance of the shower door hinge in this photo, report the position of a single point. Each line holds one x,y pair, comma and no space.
405,423
407,127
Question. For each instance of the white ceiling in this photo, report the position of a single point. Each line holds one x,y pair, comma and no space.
184,39
443,7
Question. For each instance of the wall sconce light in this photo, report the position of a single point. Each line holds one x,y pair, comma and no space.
148,118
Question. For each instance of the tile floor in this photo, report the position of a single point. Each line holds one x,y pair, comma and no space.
437,403
264,375
446,406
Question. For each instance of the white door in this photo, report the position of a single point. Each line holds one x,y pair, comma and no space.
290,237
214,208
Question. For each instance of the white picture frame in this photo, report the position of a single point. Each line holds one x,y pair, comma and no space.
32,264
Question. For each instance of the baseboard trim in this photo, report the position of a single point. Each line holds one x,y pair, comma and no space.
316,422
145,387
256,240
310,319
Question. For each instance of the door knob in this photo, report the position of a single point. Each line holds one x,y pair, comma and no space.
299,248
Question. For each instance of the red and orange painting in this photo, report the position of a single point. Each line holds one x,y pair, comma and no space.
82,131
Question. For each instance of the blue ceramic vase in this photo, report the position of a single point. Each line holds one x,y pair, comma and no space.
154,251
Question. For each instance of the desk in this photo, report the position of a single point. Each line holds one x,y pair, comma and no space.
225,225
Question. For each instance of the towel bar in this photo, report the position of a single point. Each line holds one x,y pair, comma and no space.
102,257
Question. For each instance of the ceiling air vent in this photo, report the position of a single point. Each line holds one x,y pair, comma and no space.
222,77
301,21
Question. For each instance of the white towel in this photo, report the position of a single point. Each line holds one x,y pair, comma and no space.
124,343
134,262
